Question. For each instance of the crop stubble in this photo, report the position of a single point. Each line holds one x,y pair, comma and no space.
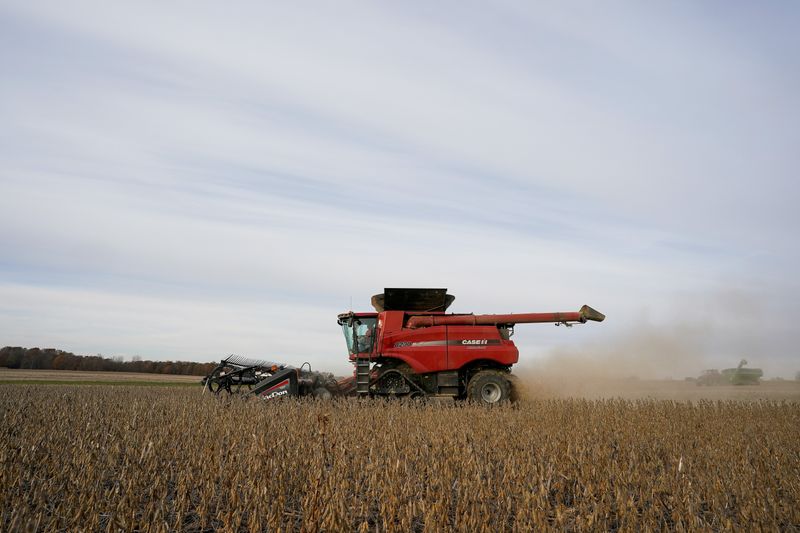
129,458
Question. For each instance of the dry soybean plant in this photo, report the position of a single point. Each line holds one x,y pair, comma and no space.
152,459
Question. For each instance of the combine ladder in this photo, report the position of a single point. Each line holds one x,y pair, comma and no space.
362,377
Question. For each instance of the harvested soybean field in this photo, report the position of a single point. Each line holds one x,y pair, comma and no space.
108,458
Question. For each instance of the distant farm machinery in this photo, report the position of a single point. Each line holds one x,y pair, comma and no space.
731,376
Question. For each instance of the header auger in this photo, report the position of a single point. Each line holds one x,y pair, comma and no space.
409,347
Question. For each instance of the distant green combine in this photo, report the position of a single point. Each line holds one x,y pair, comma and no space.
732,376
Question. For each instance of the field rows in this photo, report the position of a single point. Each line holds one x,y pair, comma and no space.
132,458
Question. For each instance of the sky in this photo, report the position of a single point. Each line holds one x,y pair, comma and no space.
186,180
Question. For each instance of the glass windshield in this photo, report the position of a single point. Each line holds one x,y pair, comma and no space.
360,335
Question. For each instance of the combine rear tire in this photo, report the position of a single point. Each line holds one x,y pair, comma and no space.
489,387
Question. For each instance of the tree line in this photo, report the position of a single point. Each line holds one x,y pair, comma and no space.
52,359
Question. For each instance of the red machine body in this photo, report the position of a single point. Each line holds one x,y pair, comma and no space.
434,352
436,348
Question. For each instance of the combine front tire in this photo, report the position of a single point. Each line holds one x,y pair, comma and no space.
489,387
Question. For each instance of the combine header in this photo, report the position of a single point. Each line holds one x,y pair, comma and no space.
267,379
408,347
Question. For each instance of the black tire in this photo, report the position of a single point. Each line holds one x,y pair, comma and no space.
214,381
416,395
489,387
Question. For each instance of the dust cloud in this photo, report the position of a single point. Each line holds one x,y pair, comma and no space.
645,353
699,331
646,362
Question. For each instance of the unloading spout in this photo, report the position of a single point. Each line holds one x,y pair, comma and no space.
426,321
590,314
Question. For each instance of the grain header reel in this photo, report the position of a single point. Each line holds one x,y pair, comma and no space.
267,379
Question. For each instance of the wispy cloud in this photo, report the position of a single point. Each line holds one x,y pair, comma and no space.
273,161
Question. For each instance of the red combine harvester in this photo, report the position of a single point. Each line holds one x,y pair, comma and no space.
410,347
